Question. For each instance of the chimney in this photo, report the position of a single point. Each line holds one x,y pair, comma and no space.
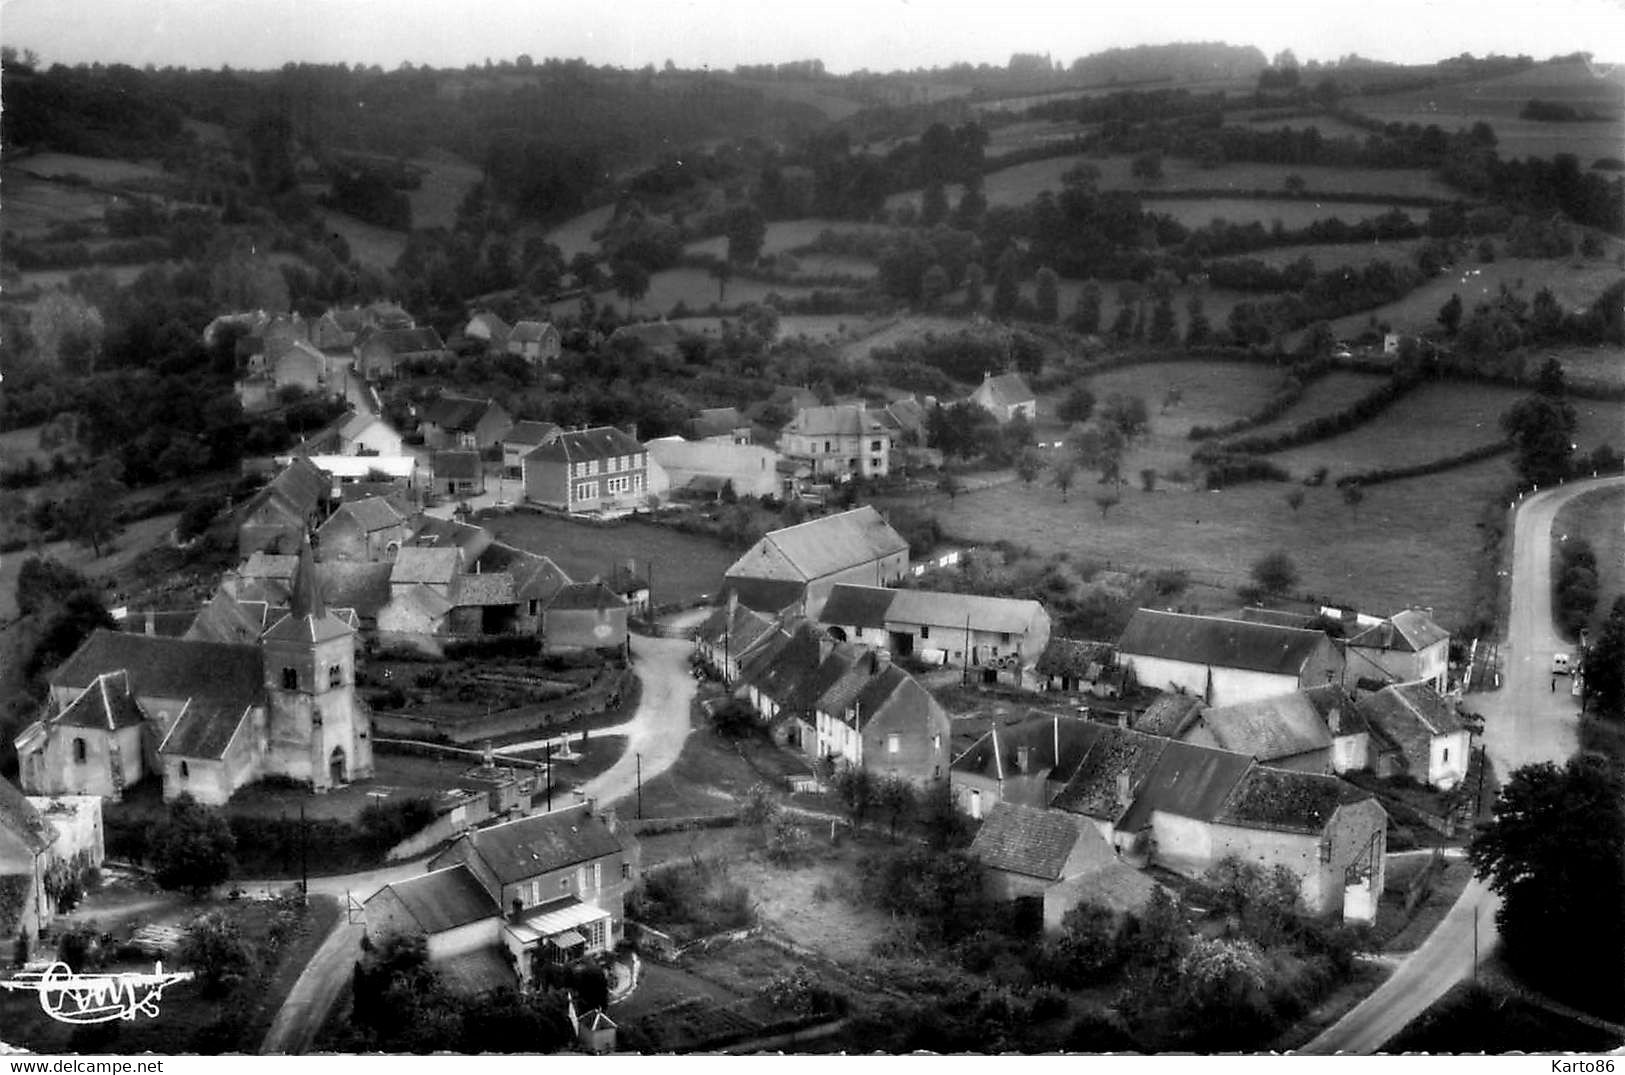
1024,759
1123,718
826,646
1122,788
611,821
1334,721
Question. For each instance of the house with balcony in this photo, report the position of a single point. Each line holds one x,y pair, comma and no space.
839,442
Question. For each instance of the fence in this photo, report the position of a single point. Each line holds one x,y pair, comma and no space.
474,809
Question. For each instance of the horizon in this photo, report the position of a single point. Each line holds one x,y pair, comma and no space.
725,34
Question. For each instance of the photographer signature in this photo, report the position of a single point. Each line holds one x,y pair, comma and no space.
95,998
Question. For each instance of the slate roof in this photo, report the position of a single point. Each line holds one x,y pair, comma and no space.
1115,886
1005,389
169,667
1034,842
172,623
461,464
739,632
485,588
1092,787
361,586
264,565
1170,716
1188,781
203,731
1055,742
1287,801
1072,656
1270,728
18,816
1277,617
1411,631
428,601
1212,640
839,420
372,514
413,565
929,607
437,533
107,704
534,577
603,442
1415,704
458,413
1329,697
538,844
444,899
299,485
857,606
529,432
908,414
820,547
581,596
784,663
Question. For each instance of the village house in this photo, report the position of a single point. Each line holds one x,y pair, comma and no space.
1059,858
210,716
1224,661
839,442
751,469
454,421
380,352
525,437
1075,666
371,529
727,636
1407,647
368,434
588,470
484,603
434,567
489,329
1184,807
537,342
457,472
798,566
1006,397
1319,730
536,580
278,516
1417,732
556,882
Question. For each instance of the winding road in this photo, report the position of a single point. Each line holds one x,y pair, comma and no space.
1526,721
656,732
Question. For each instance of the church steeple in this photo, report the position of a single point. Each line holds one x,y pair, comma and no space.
307,590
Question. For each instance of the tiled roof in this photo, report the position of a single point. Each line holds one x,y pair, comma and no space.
373,513
203,731
529,331
359,585
107,704
534,577
1170,715
428,601
840,420
739,632
1222,643
1187,781
444,899
1304,621
542,843
1115,886
581,445
1033,842
529,432
456,463
1269,728
934,609
1329,698
1092,788
413,564
264,565
1416,704
18,816
1053,742
1072,656
485,588
172,623
434,532
461,413
857,606
1282,799
821,547
169,667
1005,389
357,424
496,328
585,595
1411,631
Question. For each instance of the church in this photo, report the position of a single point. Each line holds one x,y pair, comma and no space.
207,716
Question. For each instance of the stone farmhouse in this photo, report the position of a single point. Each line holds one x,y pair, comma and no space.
1005,396
1225,661
839,442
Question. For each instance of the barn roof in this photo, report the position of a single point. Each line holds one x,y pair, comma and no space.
1270,728
1285,800
443,899
1223,643
820,547
1034,842
1188,781
857,606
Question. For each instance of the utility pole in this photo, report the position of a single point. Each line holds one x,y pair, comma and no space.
548,754
638,758
304,863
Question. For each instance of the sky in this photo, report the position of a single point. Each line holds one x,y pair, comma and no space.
877,35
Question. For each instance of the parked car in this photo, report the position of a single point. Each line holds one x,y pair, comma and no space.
1560,664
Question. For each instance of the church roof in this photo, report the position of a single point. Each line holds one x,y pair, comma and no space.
168,667
107,703
204,730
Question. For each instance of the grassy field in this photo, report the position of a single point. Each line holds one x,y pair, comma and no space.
574,236
1600,365
684,565
1328,126
34,205
1214,393
1327,395
1492,1019
1410,542
1291,212
694,288
369,244
1439,420
1573,283
100,170
1332,255
1596,517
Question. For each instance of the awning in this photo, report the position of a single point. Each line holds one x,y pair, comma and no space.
555,918
567,940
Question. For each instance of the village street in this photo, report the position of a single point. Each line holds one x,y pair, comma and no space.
1526,721
655,737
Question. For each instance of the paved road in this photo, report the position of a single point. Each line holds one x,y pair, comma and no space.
1525,721
656,732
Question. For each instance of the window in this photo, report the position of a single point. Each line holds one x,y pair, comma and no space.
874,462
637,482
1446,753
1004,638
586,490
936,742
1326,849
827,448
892,743
185,771
535,607
626,871
618,485
925,630
581,879
79,750
597,876
976,804
290,679
335,676
874,446
564,884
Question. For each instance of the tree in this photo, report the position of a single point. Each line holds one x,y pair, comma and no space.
1063,473
191,848
1101,448
1197,328
895,798
1295,184
723,271
1086,315
630,280
1164,330
1352,496
760,808
933,204
1275,572
89,515
975,281
1555,853
1007,283
1603,671
1078,405
1294,499
216,949
933,285
1108,498
1046,294
949,484
747,231
1541,429
855,788
1450,314
1127,414
1148,166
1148,479
944,826
1029,466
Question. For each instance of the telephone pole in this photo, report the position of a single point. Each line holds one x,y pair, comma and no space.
639,760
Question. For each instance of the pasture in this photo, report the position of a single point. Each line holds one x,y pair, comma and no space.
33,205
1598,365
1410,542
1573,283
1321,397
99,170
696,289
446,180
1271,120
575,236
1437,420
683,566
1334,255
1293,213
1216,302
369,244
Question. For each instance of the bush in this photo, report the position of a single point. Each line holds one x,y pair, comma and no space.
1227,470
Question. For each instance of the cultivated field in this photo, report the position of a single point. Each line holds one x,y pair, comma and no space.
1410,542
1439,420
45,279
1573,283
684,566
